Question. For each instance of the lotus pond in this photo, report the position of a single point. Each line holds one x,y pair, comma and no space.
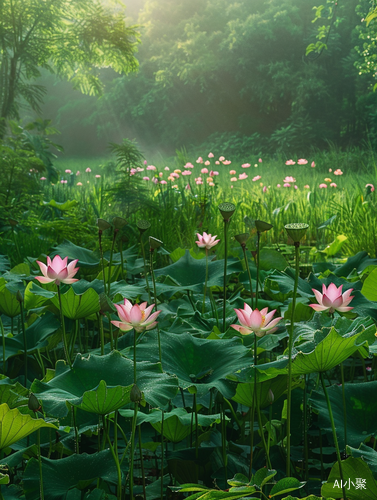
239,367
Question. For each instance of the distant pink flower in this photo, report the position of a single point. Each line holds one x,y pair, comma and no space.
145,178
207,163
88,170
256,178
289,179
160,174
199,160
204,171
306,186
68,171
333,185
163,182
63,181
189,165
145,162
57,271
98,176
198,179
222,158
198,182
212,173
170,178
278,185
137,317
338,172
296,187
246,165
167,169
217,162
258,322
260,160
45,179
186,172
206,241
264,189
211,184
313,164
210,155
331,299
330,169
233,179
78,172
302,161
323,186
151,167
286,185
290,162
371,187
139,169
227,162
175,175
188,186
243,176
79,184
232,172
133,171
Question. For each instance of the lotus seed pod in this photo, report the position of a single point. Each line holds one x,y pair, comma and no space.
103,224
154,243
242,238
227,210
33,403
262,226
143,225
296,231
136,394
119,222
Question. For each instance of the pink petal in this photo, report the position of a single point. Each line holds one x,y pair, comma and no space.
327,302
255,320
127,306
142,306
247,309
151,318
58,264
135,315
149,327
242,329
48,261
318,307
43,268
344,309
63,274
51,273
43,279
68,281
72,270
333,292
271,325
264,311
122,326
147,311
122,313
318,295
243,319
268,317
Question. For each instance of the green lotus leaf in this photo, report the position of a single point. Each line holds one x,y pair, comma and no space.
285,485
199,364
103,400
15,426
361,409
78,306
66,205
244,392
11,393
86,257
9,304
60,476
368,454
36,296
352,468
69,384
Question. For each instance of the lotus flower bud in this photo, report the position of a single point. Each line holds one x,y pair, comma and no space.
136,395
33,403
143,225
270,397
19,296
227,210
296,231
103,224
119,222
262,226
242,238
154,243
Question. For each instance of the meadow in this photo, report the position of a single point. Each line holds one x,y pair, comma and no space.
197,327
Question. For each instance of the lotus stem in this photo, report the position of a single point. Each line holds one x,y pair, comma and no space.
205,284
334,434
248,273
41,492
102,262
77,449
290,347
257,285
102,335
344,404
306,449
121,260
111,260
223,441
3,338
142,463
145,269
196,428
24,338
226,223
135,337
162,455
117,465
64,338
155,302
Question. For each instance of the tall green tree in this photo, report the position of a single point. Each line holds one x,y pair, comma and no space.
74,38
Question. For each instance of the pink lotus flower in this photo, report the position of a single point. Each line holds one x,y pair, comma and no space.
207,163
186,172
217,162
286,185
79,184
138,317
133,171
246,165
151,167
366,186
98,176
163,182
189,165
333,185
78,172
57,271
255,321
233,179
322,186
145,162
338,172
44,179
290,162
198,182
302,161
161,174
206,241
213,173
289,178
145,178
227,162
199,160
232,172
88,170
278,185
313,164
243,176
68,171
296,187
264,189
260,160
222,158
330,169
306,186
256,178
167,169
331,299
204,171
210,155
63,181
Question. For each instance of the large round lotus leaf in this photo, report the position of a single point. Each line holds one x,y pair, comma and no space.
244,393
78,306
15,426
103,400
59,476
361,409
86,373
199,364
177,423
368,454
189,273
86,257
14,394
9,304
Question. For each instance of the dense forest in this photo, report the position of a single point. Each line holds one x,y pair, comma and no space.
233,75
